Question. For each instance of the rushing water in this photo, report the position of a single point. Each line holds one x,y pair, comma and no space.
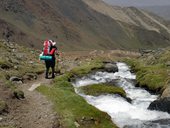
123,113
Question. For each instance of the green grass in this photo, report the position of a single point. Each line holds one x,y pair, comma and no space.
152,76
87,67
99,89
72,107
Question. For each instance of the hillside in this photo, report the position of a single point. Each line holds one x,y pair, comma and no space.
78,25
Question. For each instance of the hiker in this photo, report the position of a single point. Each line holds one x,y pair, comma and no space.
50,50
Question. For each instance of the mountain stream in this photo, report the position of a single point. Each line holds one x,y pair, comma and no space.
123,113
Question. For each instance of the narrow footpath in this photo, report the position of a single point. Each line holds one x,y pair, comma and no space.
35,111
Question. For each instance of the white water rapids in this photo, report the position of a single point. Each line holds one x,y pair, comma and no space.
122,112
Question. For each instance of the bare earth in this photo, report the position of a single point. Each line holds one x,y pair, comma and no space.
35,111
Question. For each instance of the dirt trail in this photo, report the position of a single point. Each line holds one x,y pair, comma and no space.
35,111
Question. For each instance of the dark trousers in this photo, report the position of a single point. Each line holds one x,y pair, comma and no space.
50,64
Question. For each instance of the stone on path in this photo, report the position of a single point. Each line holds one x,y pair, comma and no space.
34,86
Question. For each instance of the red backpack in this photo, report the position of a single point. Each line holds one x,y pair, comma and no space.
47,47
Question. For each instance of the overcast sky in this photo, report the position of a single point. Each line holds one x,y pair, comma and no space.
139,2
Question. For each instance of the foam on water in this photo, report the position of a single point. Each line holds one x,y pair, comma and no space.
122,112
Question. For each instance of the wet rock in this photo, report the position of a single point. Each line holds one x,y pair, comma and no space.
3,107
110,67
128,99
19,94
161,105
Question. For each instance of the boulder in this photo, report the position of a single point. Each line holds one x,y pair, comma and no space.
111,67
161,105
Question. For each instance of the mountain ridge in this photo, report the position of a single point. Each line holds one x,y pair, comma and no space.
77,25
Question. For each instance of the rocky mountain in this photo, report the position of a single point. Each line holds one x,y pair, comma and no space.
80,25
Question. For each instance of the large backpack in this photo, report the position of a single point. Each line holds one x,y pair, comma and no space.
47,47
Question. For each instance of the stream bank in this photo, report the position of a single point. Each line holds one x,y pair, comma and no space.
123,113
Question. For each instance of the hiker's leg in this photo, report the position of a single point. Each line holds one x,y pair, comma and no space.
47,69
53,69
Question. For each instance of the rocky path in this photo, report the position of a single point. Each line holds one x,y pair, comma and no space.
35,111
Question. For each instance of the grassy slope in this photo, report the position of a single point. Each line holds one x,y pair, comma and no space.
72,107
152,71
17,61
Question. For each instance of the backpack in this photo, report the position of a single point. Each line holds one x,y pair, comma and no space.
47,47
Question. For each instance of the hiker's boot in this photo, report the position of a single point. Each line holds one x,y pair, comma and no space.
53,76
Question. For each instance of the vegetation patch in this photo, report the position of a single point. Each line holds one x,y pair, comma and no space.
99,89
3,106
151,74
87,67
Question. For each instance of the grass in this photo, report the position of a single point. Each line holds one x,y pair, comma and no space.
72,107
87,67
99,89
151,75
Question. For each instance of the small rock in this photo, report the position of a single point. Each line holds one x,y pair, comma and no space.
168,64
76,124
19,94
110,67
15,79
31,62
16,67
76,59
166,92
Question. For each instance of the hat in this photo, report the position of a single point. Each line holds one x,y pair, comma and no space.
53,43
50,41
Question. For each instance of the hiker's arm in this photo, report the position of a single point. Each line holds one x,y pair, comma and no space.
57,52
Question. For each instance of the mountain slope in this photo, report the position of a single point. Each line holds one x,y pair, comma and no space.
77,25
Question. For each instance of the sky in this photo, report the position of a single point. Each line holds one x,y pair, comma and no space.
139,2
